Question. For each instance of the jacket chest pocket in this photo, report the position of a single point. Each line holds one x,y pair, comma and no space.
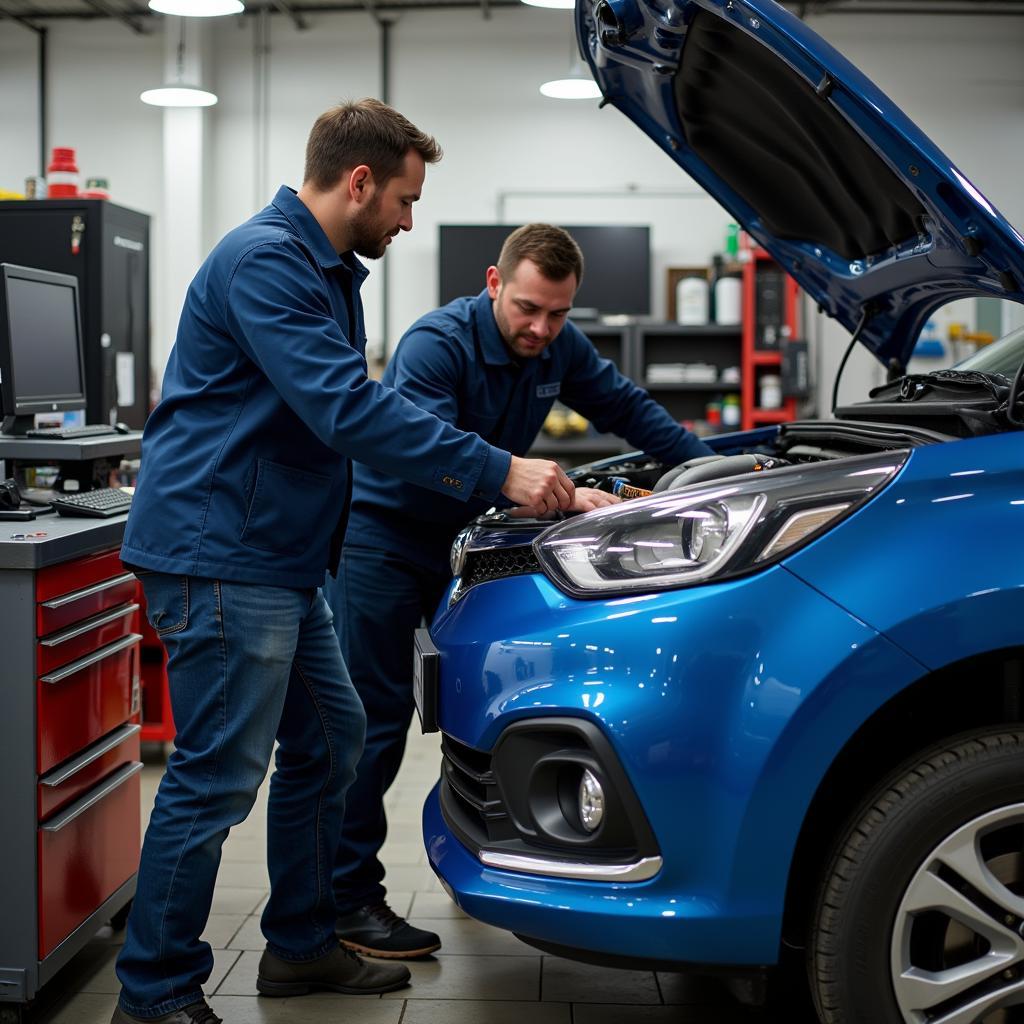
287,508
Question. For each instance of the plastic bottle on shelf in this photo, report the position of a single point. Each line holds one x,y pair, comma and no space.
770,391
732,243
692,301
731,411
728,293
62,174
713,413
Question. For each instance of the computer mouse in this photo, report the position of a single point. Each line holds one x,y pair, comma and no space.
122,428
10,496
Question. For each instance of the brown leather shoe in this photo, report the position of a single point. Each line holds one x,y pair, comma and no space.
339,971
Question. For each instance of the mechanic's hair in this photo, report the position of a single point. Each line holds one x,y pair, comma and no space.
364,132
551,248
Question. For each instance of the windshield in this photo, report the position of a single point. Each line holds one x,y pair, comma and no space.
1003,356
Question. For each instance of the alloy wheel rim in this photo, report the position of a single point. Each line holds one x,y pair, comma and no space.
957,953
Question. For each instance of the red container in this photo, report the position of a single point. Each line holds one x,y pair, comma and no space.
62,174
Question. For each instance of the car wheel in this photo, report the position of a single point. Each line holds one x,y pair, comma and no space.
920,916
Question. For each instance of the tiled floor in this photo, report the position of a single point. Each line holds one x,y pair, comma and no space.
480,976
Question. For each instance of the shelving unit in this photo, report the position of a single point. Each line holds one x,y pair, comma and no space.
713,344
758,359
635,348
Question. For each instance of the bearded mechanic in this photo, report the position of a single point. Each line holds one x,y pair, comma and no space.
240,506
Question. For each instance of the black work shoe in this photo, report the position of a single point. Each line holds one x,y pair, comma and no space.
194,1013
378,931
339,971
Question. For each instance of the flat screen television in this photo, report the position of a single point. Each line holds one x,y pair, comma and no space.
616,263
41,366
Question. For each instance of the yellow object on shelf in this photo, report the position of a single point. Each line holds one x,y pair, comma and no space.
561,422
957,333
4,194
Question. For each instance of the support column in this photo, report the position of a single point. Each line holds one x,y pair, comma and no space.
180,249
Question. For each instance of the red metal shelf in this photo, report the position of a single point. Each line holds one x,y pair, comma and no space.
751,358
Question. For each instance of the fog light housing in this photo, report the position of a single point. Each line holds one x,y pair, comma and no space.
591,799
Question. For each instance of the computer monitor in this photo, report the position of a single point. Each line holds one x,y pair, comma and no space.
616,257
41,364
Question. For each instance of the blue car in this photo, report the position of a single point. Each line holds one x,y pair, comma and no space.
769,717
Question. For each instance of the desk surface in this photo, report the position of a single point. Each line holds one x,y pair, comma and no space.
46,450
65,538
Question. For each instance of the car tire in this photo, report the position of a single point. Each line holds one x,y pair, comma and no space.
920,912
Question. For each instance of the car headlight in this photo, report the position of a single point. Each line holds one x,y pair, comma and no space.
706,531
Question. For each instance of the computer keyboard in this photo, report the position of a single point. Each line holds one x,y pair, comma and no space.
70,433
100,503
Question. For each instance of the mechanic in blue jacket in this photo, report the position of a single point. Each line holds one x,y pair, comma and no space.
493,364
240,507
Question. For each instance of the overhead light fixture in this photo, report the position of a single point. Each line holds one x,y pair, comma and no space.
179,93
197,8
573,88
578,84
178,96
553,5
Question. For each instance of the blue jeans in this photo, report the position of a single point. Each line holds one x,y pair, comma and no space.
247,665
378,601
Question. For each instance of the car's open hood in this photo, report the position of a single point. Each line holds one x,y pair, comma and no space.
815,162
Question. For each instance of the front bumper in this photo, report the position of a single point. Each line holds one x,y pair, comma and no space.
640,920
724,704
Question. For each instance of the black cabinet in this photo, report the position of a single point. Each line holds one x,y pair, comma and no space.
107,248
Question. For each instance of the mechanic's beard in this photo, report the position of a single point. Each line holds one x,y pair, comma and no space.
368,233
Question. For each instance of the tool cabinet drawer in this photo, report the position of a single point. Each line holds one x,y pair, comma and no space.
85,853
72,591
83,638
73,778
81,702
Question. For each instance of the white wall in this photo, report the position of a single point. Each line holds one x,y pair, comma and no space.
473,83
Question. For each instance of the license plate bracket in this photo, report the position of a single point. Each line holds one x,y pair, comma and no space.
426,659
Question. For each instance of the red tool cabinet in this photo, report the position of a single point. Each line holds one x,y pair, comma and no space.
69,744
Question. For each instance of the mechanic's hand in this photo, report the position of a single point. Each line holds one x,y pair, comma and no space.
589,498
538,485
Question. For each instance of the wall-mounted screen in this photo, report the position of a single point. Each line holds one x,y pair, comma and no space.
616,261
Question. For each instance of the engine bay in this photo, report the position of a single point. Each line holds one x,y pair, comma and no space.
802,442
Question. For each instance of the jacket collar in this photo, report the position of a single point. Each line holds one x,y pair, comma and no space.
496,352
309,230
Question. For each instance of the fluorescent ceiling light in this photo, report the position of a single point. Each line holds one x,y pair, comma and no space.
197,8
554,5
571,89
178,96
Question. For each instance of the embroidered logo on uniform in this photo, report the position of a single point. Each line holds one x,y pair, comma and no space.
549,390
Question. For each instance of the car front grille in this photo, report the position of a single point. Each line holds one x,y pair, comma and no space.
472,793
498,563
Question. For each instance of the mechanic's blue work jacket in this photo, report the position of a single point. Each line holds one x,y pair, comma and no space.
454,363
245,461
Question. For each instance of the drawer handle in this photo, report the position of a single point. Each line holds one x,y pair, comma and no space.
79,807
97,588
91,659
61,775
84,627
